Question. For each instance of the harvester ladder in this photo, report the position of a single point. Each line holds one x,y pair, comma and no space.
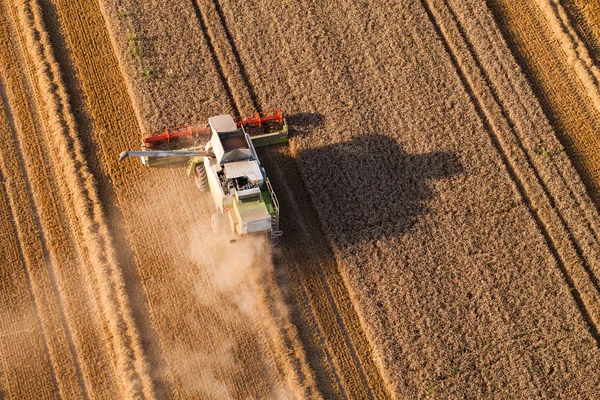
275,232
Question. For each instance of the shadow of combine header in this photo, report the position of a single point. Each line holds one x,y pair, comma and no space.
370,188
301,121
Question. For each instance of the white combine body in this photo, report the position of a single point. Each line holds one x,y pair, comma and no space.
237,182
228,167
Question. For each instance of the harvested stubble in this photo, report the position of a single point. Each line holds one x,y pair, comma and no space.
459,241
49,259
86,276
160,216
25,363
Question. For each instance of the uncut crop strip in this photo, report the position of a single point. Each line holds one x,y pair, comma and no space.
536,188
575,50
26,369
104,273
152,266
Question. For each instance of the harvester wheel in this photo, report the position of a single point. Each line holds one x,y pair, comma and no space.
201,178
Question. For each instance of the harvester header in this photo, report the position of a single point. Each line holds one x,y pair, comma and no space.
258,124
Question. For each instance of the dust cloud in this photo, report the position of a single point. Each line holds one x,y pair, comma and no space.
235,272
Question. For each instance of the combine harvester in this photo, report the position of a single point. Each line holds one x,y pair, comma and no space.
227,166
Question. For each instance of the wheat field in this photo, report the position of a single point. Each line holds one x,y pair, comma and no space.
439,201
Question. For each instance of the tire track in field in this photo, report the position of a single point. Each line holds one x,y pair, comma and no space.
238,61
215,58
227,60
564,188
230,58
530,165
505,155
585,19
576,53
562,99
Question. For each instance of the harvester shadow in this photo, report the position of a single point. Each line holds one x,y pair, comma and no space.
303,120
303,124
369,188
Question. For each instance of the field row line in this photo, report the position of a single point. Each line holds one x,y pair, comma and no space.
83,204
226,56
585,19
563,100
242,77
528,182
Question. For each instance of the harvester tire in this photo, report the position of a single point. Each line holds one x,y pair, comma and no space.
201,178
